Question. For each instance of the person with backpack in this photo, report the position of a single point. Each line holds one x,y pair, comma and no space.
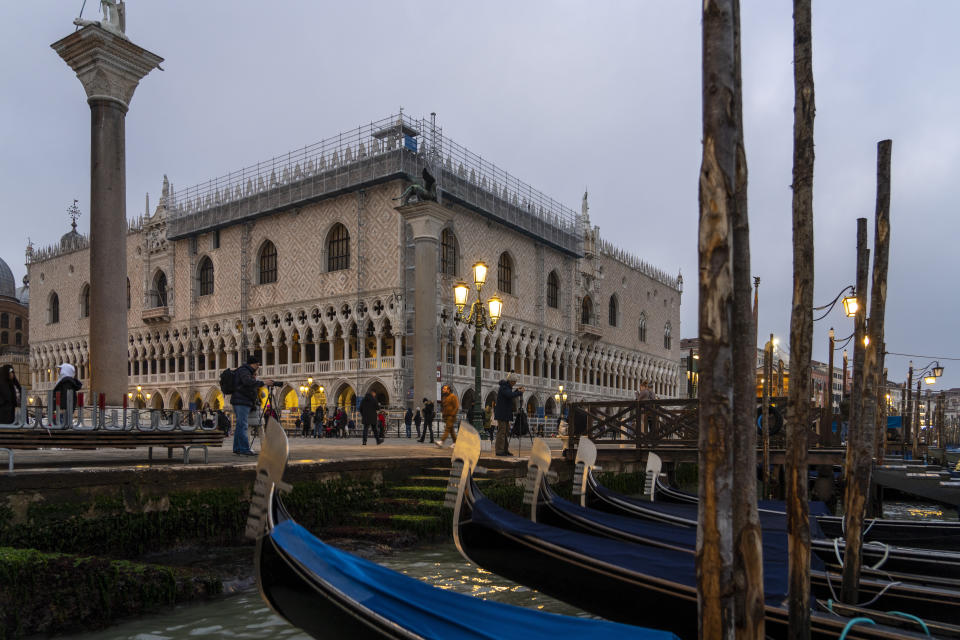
427,420
503,412
244,396
369,408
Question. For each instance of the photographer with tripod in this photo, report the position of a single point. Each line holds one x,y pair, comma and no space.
246,396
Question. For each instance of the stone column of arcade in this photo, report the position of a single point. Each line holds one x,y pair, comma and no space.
427,220
109,67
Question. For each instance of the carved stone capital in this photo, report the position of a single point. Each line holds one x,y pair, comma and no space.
426,218
108,65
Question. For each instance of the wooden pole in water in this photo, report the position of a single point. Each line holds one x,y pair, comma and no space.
721,140
907,415
915,449
854,496
826,436
747,539
765,413
863,425
801,327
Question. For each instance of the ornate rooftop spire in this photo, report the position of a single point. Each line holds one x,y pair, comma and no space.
74,212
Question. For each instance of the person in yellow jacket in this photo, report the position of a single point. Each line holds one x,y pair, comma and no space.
449,406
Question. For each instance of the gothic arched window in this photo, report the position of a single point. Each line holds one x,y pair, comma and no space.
586,311
613,311
642,328
205,277
128,293
267,263
666,336
553,290
53,309
85,302
448,253
159,297
338,248
505,273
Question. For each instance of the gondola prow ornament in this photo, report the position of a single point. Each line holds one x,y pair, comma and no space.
270,465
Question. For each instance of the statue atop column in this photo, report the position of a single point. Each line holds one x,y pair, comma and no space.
114,18
422,193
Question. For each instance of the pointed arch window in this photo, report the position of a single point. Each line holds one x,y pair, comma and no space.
586,311
553,290
505,273
205,277
448,253
666,336
53,309
128,293
613,310
338,248
267,263
85,302
159,293
642,328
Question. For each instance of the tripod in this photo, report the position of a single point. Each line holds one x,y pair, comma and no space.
265,413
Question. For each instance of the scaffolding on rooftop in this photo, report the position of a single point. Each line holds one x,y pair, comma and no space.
397,147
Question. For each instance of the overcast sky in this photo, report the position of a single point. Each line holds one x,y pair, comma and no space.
563,95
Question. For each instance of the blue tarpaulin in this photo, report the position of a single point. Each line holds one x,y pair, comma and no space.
430,612
894,422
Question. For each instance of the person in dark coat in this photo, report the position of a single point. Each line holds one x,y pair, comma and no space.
369,407
306,421
318,422
503,412
245,396
427,420
417,419
10,395
408,420
67,386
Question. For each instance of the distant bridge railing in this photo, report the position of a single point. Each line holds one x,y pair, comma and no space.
643,423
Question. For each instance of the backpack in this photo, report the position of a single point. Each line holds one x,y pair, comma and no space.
227,381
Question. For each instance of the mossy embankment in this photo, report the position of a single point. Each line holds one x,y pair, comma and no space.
75,561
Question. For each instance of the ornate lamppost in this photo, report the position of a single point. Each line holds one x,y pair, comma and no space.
561,398
140,398
481,317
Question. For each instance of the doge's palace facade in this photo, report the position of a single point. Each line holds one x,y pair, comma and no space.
306,260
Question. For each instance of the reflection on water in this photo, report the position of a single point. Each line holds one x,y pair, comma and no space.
246,616
916,510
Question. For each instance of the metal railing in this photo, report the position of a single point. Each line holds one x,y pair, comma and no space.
395,147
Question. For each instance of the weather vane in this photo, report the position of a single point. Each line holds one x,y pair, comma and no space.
74,212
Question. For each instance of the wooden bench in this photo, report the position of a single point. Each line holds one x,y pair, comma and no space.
39,438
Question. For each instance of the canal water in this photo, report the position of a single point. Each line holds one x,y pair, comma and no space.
245,616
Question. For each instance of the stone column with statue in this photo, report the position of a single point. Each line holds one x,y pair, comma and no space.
109,67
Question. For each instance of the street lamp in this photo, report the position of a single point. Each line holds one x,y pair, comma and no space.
139,397
561,398
929,373
482,318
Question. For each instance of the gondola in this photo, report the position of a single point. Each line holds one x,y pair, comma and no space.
904,592
936,566
620,581
332,594
918,534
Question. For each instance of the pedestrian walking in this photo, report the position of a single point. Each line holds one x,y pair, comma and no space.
67,386
449,406
407,420
417,419
369,408
10,391
427,420
306,421
503,413
245,396
318,422
488,419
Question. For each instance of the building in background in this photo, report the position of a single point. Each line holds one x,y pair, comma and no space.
15,324
305,260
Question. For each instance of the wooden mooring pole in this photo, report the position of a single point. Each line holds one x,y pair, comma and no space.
862,433
801,327
722,140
